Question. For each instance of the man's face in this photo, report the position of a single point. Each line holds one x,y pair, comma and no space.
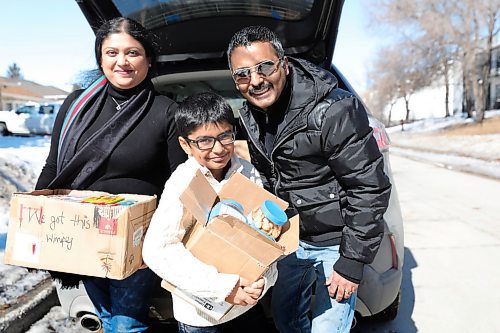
266,73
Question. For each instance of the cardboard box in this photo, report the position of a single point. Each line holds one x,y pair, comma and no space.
54,230
227,243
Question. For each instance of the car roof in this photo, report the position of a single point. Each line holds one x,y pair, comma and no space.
194,34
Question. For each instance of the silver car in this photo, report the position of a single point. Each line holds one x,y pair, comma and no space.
193,37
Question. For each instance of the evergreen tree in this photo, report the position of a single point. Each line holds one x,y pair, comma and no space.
14,72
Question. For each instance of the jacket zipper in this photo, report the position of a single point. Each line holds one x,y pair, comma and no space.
274,169
273,172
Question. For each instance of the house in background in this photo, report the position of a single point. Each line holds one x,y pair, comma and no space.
14,92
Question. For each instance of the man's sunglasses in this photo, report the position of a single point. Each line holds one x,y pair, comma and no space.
265,68
208,142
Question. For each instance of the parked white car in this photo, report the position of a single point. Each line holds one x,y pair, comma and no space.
30,118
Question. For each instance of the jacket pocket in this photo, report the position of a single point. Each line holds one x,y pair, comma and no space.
319,209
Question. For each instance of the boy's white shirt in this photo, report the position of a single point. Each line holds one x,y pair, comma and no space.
164,252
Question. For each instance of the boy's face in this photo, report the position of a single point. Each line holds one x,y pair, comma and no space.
216,158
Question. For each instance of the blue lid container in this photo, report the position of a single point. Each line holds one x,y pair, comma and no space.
274,212
228,207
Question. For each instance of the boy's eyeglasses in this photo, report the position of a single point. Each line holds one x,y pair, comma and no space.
264,68
208,142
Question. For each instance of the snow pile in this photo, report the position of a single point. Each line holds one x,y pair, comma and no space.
56,321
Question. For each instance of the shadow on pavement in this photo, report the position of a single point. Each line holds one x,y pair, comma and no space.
403,323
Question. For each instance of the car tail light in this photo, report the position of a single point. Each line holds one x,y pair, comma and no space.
380,134
392,239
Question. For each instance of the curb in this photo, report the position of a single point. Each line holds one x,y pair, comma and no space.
29,308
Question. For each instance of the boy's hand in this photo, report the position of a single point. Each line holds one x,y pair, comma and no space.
255,289
239,296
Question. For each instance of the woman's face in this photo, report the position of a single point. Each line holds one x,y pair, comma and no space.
123,60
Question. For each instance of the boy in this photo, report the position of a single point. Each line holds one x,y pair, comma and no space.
206,126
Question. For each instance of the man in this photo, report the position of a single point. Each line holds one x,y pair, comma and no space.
313,146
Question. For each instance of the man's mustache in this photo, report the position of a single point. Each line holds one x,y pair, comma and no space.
256,90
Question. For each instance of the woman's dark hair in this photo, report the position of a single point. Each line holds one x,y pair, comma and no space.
129,26
202,109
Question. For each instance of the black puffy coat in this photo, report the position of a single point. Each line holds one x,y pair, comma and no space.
326,164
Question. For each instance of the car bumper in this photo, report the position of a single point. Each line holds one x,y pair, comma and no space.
377,291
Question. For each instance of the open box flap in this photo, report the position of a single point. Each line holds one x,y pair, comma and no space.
249,194
199,197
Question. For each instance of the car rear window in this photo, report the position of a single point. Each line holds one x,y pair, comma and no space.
46,109
156,13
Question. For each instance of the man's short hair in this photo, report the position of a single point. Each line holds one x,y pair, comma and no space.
249,35
202,109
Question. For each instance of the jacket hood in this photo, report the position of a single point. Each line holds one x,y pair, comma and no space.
310,83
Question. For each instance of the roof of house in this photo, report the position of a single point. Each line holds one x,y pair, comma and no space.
29,88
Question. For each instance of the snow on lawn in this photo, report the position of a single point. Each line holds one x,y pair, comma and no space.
426,136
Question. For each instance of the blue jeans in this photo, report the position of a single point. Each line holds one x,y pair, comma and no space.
252,321
185,328
122,305
298,273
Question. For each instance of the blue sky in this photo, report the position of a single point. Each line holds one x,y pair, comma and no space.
51,41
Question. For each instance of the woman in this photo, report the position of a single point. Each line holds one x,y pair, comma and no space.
116,136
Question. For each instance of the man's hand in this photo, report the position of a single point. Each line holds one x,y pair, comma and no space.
339,287
239,296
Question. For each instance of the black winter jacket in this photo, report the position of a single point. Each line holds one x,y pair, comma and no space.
326,164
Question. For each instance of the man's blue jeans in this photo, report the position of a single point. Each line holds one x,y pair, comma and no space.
123,305
298,273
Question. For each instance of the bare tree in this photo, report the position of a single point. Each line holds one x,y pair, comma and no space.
469,27
425,27
14,72
487,19
398,72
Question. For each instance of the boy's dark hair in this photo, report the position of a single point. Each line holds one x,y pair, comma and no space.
201,109
249,35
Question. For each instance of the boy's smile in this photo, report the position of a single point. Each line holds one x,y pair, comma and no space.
216,158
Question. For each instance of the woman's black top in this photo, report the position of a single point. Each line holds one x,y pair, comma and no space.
142,162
